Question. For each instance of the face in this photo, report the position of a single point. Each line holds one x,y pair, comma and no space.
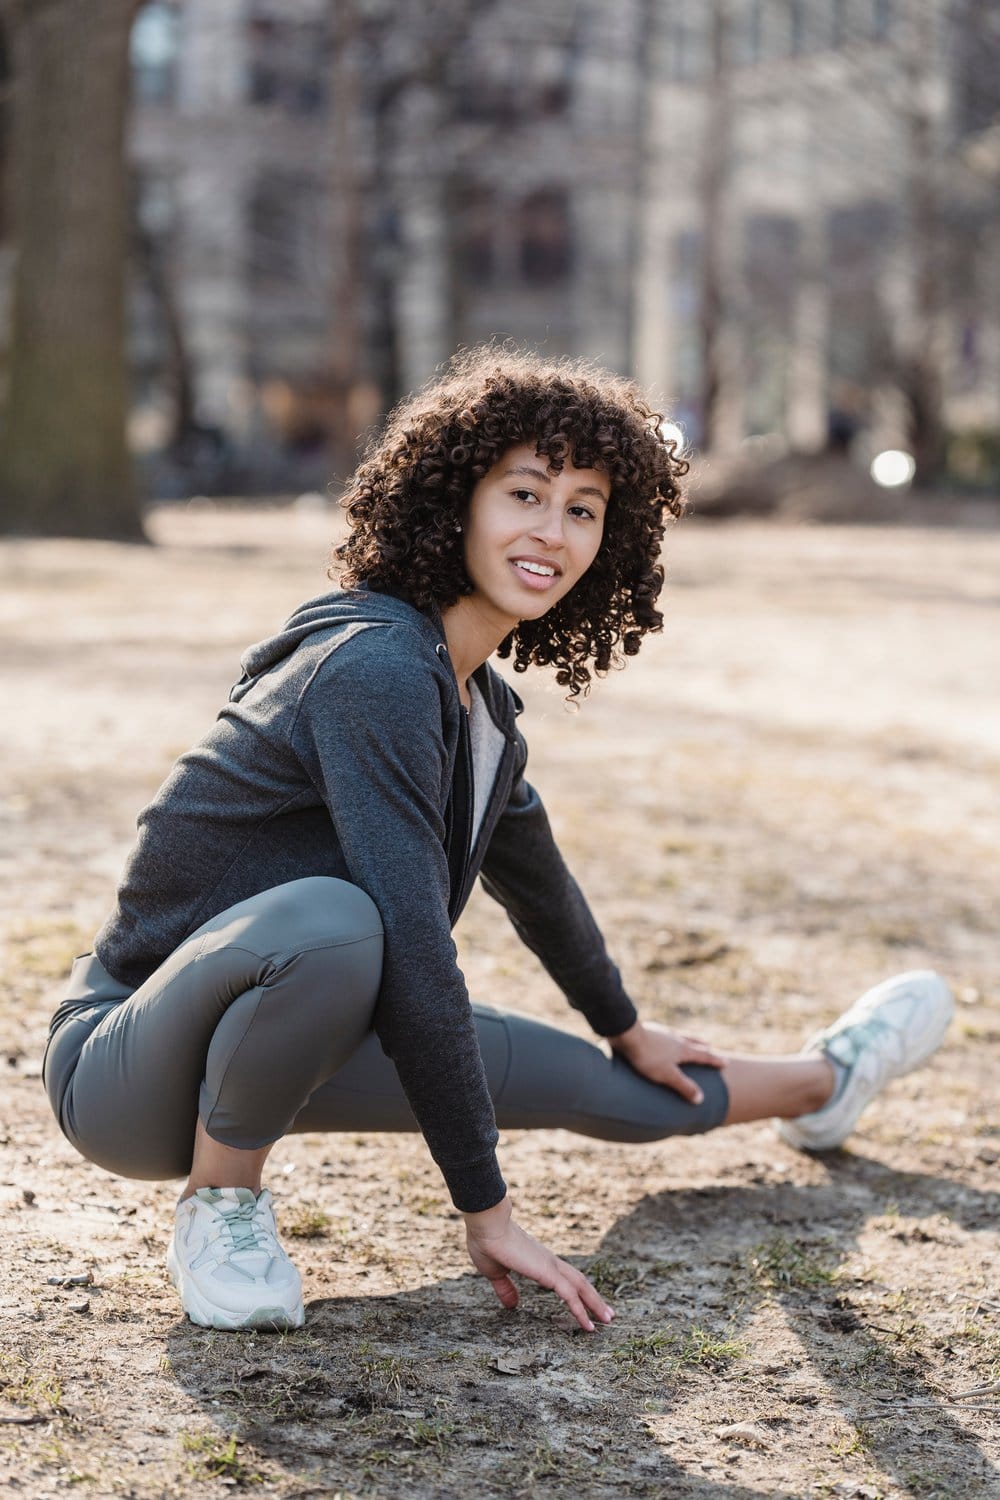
530,535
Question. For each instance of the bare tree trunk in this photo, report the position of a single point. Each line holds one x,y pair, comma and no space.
639,185
153,260
64,464
718,246
922,355
348,231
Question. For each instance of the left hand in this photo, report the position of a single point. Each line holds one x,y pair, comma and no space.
657,1053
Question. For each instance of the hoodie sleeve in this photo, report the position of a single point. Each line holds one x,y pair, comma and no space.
524,871
368,732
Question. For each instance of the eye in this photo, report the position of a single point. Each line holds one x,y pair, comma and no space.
582,512
524,496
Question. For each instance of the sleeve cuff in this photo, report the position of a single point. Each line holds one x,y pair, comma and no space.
475,1186
614,1018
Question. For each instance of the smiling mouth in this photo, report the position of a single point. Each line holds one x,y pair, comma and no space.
539,570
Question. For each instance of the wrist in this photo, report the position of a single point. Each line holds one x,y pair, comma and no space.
490,1221
625,1040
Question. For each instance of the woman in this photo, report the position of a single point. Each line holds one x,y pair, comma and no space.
280,955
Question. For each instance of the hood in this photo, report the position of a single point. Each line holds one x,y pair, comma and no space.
362,606
329,611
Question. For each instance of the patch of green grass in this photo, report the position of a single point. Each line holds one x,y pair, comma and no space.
383,1373
41,1390
614,1278
430,1432
640,1350
703,1350
306,1221
781,1263
662,1350
856,1439
924,1484
544,1463
216,1457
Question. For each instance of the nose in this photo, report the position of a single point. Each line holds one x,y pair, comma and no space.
548,529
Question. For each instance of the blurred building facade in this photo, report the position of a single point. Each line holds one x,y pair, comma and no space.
854,152
587,176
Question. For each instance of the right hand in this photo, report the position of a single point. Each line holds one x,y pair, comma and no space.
498,1246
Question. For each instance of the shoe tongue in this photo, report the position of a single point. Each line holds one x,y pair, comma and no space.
238,1206
238,1197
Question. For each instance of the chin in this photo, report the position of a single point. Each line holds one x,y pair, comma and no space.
539,610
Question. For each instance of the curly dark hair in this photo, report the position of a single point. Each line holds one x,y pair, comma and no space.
413,485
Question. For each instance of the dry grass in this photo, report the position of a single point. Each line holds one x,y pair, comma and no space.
792,794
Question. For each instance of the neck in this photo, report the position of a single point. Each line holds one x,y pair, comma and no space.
473,632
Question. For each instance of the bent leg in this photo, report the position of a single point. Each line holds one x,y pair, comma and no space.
238,1026
539,1078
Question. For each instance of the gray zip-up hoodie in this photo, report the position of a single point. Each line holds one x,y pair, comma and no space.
344,751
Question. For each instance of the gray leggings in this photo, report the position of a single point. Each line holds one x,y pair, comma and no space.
260,1022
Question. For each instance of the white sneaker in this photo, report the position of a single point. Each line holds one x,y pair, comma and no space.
889,1031
228,1265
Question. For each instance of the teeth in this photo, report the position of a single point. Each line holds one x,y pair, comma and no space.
542,569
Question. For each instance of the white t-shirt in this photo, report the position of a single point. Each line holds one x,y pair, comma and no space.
487,751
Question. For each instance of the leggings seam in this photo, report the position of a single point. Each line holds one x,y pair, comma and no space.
233,1054
262,987
318,948
279,960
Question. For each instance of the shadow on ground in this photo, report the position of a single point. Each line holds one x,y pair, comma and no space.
712,1284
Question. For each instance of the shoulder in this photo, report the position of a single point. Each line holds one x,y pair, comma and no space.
385,669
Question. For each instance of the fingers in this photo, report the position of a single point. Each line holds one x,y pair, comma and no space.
697,1051
683,1085
520,1253
580,1295
505,1290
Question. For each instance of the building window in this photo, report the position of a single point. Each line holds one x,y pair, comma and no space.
881,19
772,29
545,237
282,231
153,48
750,46
976,97
511,86
288,62
838,23
688,28
476,236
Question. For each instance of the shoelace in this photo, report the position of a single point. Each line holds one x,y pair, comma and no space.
240,1227
847,1045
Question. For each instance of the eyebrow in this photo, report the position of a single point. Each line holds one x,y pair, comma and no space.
532,473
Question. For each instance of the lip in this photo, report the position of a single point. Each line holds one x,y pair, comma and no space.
537,581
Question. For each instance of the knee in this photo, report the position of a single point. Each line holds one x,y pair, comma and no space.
318,912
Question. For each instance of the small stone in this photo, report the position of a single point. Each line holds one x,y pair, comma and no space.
988,1154
744,1433
80,1307
28,1194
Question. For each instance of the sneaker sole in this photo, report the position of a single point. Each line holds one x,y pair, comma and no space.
205,1315
939,1018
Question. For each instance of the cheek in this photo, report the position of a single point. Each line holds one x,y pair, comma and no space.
591,549
475,548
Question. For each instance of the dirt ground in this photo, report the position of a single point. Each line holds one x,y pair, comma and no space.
790,795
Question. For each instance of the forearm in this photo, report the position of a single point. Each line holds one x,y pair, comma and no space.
525,872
